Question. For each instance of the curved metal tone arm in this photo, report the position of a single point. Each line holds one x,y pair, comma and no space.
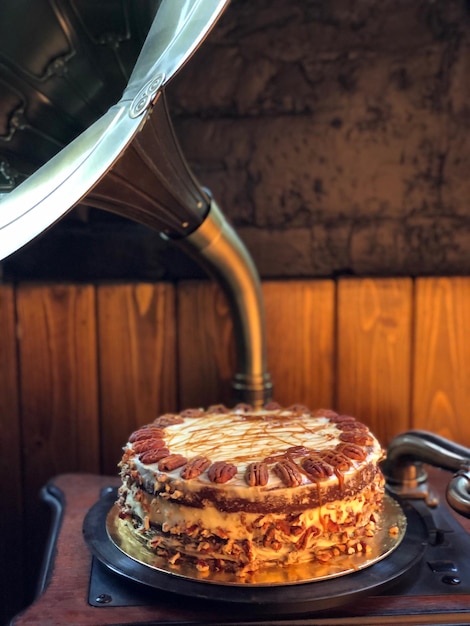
217,247
423,446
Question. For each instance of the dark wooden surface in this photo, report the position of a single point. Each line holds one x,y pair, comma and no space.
65,598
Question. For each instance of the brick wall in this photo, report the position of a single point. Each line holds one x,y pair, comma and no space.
335,134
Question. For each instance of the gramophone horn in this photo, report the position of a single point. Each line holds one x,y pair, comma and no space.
128,161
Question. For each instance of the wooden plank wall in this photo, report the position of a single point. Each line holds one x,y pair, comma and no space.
82,365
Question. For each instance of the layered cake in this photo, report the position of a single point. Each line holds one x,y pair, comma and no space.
236,490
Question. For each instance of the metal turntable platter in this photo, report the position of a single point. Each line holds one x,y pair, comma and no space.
297,590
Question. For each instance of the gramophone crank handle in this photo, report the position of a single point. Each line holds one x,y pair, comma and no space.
425,446
458,491
408,450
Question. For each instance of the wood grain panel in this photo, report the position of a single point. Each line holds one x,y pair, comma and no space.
137,360
58,380
11,525
299,326
59,402
441,389
300,337
206,346
374,353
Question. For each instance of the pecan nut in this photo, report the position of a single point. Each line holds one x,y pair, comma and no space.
352,451
293,451
338,419
153,456
317,469
195,467
147,444
217,409
171,462
256,474
356,426
272,406
298,451
146,432
336,459
299,409
289,473
221,472
356,436
328,413
302,543
193,413
243,407
270,540
167,420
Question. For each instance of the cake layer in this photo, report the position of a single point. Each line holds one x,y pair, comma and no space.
240,541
